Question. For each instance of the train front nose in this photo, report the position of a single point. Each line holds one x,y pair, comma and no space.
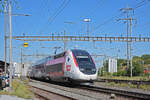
87,69
87,73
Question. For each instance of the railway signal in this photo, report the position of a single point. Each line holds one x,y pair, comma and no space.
25,44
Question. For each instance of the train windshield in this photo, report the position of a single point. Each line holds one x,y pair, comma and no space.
82,57
85,62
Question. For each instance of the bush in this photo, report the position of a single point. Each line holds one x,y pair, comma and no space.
115,74
107,74
147,75
21,90
120,73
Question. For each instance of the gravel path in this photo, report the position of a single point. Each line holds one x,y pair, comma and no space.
7,97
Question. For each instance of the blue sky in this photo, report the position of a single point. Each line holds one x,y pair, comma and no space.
49,16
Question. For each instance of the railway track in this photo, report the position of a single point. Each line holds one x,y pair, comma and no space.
94,92
43,94
136,82
120,92
67,92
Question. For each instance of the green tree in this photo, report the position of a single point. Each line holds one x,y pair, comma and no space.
137,66
106,66
101,71
121,63
137,69
146,58
120,73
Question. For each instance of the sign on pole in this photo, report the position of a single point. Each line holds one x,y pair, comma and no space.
25,44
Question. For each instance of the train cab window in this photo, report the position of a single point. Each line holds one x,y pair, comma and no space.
49,58
59,55
83,58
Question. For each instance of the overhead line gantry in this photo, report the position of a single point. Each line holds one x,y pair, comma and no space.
82,38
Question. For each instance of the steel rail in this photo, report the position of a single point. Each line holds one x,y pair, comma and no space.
47,95
61,92
118,92
121,92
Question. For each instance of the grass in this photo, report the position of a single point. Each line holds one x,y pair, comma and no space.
113,84
145,87
4,92
144,78
19,89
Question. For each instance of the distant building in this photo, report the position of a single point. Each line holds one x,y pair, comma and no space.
112,66
16,69
25,69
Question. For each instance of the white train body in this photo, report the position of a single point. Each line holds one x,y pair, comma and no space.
71,65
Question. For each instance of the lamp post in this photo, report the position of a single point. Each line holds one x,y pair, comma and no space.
88,22
5,12
10,47
10,43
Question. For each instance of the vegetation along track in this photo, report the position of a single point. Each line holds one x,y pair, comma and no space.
92,92
136,82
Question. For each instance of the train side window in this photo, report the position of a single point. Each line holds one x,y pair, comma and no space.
68,59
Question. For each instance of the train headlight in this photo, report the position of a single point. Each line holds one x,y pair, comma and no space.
93,70
81,69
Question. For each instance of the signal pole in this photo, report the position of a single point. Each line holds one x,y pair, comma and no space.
65,41
10,48
5,10
21,63
129,46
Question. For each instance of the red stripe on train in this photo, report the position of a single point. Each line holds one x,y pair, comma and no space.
56,73
75,60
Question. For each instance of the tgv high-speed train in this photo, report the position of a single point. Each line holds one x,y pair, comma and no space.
72,66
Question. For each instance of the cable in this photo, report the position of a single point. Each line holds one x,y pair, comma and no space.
140,4
52,19
107,21
52,16
90,12
60,7
59,10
